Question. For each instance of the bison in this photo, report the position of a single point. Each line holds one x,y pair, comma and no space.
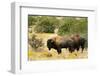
79,42
72,43
59,42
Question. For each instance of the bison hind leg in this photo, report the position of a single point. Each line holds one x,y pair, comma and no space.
71,50
82,48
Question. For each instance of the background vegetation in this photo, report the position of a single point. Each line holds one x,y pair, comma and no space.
65,25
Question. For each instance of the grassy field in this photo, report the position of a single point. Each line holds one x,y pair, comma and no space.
42,53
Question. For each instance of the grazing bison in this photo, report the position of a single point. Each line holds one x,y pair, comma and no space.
60,42
72,43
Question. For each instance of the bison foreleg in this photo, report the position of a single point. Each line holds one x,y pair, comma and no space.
77,48
59,50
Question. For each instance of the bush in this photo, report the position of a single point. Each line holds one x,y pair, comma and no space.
71,25
35,42
44,28
45,24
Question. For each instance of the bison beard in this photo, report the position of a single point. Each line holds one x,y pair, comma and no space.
72,44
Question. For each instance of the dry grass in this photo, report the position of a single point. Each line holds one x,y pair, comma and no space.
51,55
42,53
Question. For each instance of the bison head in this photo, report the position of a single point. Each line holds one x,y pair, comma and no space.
50,44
